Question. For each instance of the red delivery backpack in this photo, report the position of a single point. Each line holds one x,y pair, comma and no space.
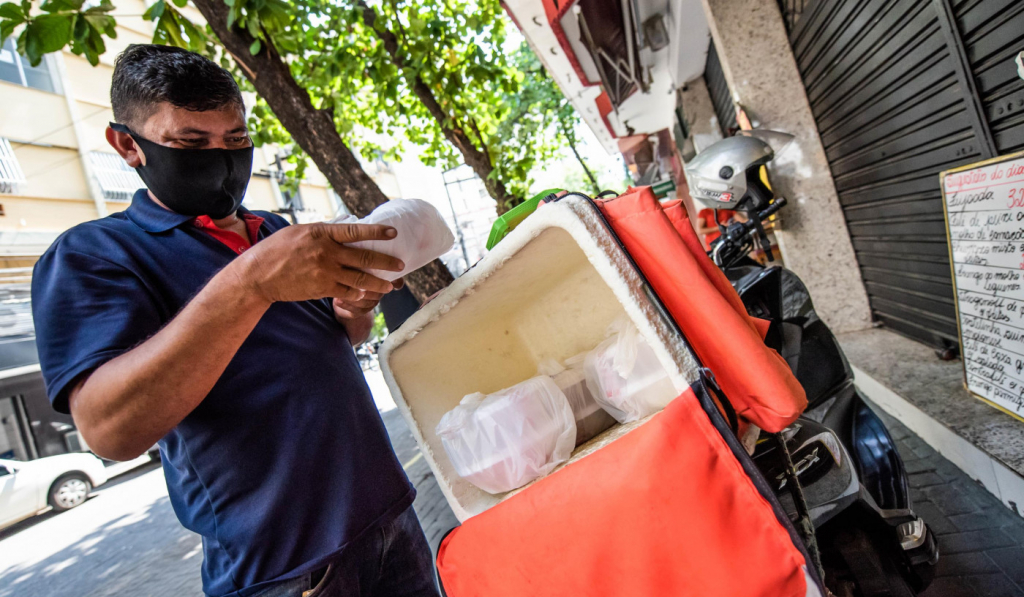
674,507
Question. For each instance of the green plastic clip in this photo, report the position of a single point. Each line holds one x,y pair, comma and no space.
509,220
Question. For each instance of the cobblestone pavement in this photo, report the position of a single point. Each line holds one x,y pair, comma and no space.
124,541
981,541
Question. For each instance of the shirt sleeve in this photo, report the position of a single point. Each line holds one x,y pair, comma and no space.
87,310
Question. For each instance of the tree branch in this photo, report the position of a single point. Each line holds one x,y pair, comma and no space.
476,158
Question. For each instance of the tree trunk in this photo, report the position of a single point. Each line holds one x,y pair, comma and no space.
572,145
313,130
475,158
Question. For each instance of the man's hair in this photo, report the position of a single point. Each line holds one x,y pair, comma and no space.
146,75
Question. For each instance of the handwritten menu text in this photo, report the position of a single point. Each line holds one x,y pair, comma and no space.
985,209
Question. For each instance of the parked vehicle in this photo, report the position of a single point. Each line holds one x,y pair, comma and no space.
851,485
59,482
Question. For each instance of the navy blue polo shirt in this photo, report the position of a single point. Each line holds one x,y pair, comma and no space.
286,460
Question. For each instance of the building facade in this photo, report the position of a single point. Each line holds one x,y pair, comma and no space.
880,97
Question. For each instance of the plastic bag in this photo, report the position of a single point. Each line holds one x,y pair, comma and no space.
504,440
625,376
423,235
591,419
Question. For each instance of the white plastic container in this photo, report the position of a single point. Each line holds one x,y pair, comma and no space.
625,376
423,235
549,290
502,441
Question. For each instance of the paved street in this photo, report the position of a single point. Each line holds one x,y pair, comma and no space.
126,540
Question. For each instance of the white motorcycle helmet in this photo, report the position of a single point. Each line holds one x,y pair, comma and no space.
727,174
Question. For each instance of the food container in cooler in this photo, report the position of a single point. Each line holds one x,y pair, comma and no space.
549,290
624,376
503,441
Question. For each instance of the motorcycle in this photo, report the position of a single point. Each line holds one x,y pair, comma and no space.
836,470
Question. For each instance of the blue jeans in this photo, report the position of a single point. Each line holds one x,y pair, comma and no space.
391,561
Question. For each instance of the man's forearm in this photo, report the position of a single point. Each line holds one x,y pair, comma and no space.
130,402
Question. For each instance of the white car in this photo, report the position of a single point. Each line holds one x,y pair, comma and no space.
59,482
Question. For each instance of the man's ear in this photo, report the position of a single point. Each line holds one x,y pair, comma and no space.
126,148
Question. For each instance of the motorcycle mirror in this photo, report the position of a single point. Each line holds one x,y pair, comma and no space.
778,141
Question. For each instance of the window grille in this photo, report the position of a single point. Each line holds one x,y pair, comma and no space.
11,176
118,180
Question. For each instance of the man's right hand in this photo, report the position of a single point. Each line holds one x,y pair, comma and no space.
311,261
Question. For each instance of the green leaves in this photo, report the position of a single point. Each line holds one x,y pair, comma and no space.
155,11
62,23
455,48
52,6
10,17
264,21
531,135
48,33
174,29
11,11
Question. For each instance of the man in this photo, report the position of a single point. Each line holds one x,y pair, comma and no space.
189,320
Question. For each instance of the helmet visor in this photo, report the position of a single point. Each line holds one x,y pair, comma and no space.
778,141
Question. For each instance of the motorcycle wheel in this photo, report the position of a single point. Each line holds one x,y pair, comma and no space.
859,564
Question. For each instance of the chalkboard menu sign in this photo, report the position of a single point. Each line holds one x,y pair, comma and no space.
984,205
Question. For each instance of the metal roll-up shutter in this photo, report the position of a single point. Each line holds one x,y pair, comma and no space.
718,89
892,97
993,35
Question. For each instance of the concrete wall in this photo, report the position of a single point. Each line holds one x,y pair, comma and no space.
34,115
50,173
762,74
701,119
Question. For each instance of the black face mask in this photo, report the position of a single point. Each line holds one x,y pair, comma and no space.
194,182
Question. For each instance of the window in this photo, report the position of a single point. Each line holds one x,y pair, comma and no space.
118,180
16,69
12,429
11,176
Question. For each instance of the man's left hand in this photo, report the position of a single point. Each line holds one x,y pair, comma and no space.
345,309
356,315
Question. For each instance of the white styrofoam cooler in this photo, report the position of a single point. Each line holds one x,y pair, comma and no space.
548,290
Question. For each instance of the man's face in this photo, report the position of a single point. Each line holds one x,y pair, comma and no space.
184,129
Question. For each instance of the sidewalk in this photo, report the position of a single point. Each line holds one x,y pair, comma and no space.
981,542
